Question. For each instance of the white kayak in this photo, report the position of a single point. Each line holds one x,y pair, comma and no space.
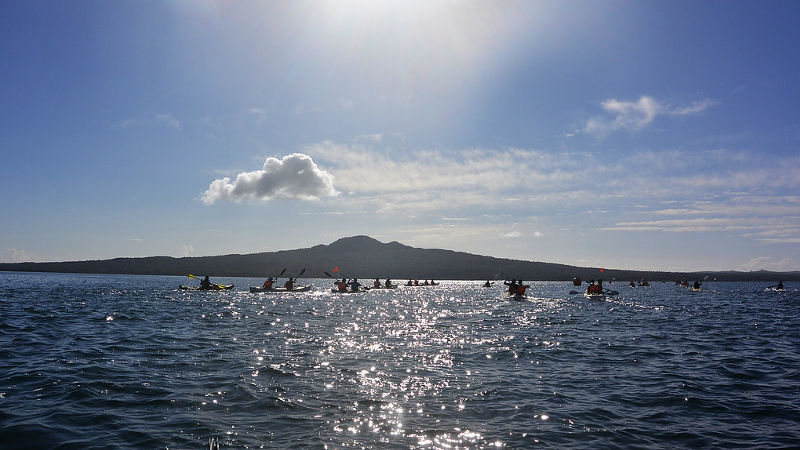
280,289
774,289
595,296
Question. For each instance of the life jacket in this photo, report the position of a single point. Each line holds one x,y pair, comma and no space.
376,283
521,289
289,285
341,285
267,284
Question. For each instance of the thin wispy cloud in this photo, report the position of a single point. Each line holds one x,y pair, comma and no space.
166,120
294,176
712,190
633,116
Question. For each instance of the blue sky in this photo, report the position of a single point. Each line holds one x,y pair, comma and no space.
624,134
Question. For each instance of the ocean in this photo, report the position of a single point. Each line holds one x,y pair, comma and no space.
118,361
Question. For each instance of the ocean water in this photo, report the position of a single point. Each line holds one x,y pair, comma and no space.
110,361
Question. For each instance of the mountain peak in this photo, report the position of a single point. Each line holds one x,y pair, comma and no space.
356,242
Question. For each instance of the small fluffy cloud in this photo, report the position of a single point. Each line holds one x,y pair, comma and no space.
293,176
633,116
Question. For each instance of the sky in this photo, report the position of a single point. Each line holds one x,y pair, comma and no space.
657,135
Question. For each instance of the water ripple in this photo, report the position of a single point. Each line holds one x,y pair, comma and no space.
95,361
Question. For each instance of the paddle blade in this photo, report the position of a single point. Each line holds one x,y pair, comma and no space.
191,276
301,272
282,272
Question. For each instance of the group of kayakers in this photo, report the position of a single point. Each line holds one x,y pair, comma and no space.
343,285
516,287
423,283
270,283
595,288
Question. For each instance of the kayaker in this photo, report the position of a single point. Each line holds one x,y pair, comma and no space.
512,287
205,283
487,284
409,282
341,285
696,285
779,286
268,283
289,285
600,285
520,288
632,284
416,282
376,283
389,283
355,285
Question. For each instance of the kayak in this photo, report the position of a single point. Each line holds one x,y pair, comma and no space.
394,286
255,290
596,296
516,296
772,289
215,287
421,285
694,289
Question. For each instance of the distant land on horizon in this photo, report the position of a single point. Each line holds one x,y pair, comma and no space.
365,257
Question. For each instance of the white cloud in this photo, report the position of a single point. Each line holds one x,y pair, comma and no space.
259,113
694,108
13,255
168,120
293,176
155,120
768,263
511,235
633,116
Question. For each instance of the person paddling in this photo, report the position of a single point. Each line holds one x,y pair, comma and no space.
289,285
779,286
512,287
487,284
341,285
355,285
389,283
696,285
205,283
521,288
268,283
376,284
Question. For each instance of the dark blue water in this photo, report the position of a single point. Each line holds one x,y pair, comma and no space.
106,361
